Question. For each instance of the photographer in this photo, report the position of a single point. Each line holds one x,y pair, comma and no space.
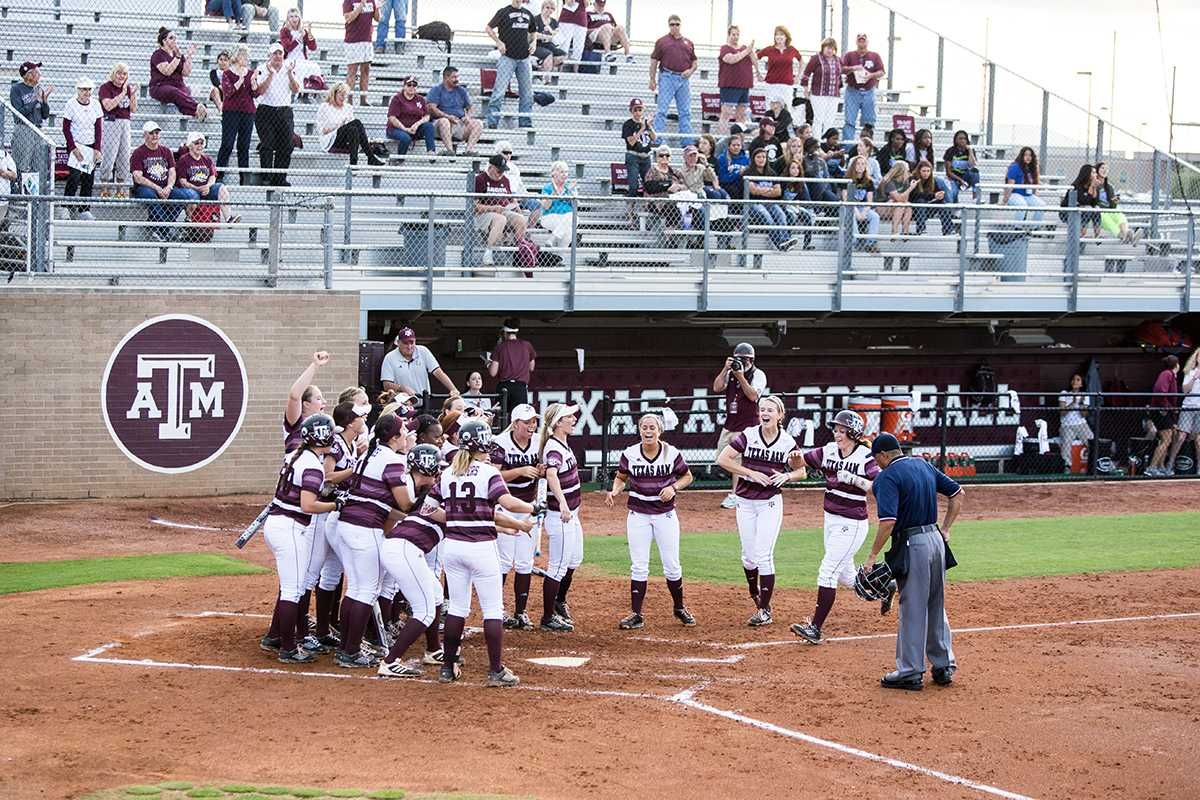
742,385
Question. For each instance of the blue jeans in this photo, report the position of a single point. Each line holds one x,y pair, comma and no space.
954,188
673,86
773,215
858,103
922,215
229,9
635,170
386,9
802,216
160,212
1029,201
504,72
425,130
868,217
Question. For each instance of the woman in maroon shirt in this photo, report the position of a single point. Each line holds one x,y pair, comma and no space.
408,118
358,16
735,76
781,77
239,86
168,67
822,82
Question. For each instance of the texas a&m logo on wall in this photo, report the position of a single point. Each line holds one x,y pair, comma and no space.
174,393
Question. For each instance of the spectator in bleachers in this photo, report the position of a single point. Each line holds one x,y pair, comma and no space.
862,69
546,53
762,211
962,168
495,210
851,146
603,32
239,87
781,75
259,9
390,8
168,67
450,106
231,10
639,138
793,150
1164,419
822,82
196,173
81,117
1023,170
699,175
815,166
339,129
833,153
298,41
32,102
572,30
511,30
730,166
358,16
929,192
408,118
796,193
1112,220
278,83
767,140
524,197
783,120
214,78
473,396
893,196
706,146
677,57
153,168
866,148
662,181
557,211
736,71
894,150
860,190
8,174
920,148
118,101
1086,187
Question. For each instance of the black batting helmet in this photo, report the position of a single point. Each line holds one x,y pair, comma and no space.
317,430
849,420
744,349
425,459
475,436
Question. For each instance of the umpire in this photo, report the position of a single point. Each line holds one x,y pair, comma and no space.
906,499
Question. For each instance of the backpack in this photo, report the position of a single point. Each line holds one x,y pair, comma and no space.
204,212
983,386
527,256
436,31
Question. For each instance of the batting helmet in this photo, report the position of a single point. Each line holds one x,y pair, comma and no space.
849,420
875,584
744,349
317,430
425,459
475,436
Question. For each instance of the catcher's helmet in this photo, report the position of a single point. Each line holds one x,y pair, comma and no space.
744,349
875,584
849,420
475,436
317,430
425,459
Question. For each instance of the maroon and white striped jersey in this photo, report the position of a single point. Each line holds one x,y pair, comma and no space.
507,454
649,476
371,499
843,499
422,531
307,474
470,501
291,434
345,456
558,456
762,456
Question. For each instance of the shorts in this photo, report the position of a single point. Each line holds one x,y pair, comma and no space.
483,222
723,441
733,96
358,52
594,32
545,51
1189,420
1163,420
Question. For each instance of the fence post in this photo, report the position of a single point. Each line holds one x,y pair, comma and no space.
1188,267
414,18
845,26
327,243
425,398
942,424
961,297
573,253
702,303
1043,146
274,238
891,47
503,406
427,303
628,17
1074,230
1099,140
606,410
1093,448
991,100
940,68
845,252
729,16
745,221
1154,196
347,203
824,22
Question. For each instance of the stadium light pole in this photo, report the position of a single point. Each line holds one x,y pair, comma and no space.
1088,147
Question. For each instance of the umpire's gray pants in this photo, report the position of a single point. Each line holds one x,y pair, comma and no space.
924,627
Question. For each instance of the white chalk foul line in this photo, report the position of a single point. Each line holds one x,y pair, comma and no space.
187,526
687,698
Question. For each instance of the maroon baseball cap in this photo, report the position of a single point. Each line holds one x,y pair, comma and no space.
27,67
635,103
767,120
406,335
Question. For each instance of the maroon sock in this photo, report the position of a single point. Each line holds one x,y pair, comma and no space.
273,631
825,598
675,587
521,591
564,585
385,609
637,594
287,624
371,630
549,595
445,588
397,602
335,617
493,634
408,634
453,637
354,623
324,605
752,582
431,633
767,588
504,579
302,616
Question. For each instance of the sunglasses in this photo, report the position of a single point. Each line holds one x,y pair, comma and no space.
410,83
674,24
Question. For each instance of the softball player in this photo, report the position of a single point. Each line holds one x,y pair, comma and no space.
765,451
304,399
514,454
288,530
563,529
655,472
376,489
469,490
848,468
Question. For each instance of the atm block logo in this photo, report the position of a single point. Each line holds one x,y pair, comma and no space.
174,393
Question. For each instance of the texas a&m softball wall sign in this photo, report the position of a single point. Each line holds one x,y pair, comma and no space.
174,393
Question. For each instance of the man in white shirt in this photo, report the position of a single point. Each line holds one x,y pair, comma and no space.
8,174
408,367
81,128
273,120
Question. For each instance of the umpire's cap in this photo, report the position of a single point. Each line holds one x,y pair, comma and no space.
884,443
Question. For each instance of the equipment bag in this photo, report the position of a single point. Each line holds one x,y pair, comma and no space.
436,31
205,212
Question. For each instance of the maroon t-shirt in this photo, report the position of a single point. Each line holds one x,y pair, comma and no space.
870,61
500,190
195,171
157,79
674,54
512,357
1165,385
236,99
739,75
108,91
360,29
577,17
405,110
779,64
740,411
598,19
155,165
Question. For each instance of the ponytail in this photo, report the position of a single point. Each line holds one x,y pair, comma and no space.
387,427
545,432
285,472
462,461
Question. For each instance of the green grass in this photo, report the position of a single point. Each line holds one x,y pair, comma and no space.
30,576
986,550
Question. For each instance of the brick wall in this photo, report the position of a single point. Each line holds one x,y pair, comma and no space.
54,345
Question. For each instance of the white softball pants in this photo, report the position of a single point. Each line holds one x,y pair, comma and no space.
663,529
324,557
516,550
572,38
331,570
843,537
404,560
825,111
758,524
291,543
566,544
473,564
360,559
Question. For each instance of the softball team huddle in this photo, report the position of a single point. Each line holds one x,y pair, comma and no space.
386,516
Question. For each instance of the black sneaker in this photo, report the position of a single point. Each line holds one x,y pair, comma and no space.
632,622
449,673
684,616
557,624
511,623
270,644
943,676
807,631
761,617
524,623
296,656
314,645
359,660
505,678
563,610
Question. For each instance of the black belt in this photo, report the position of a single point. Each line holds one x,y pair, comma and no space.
921,529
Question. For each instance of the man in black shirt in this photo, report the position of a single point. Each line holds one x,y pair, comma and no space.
512,29
639,137
767,140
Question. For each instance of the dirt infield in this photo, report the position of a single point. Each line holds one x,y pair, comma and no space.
1105,708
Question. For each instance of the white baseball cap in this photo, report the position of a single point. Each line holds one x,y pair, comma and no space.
362,410
84,83
196,136
274,47
564,412
150,127
524,412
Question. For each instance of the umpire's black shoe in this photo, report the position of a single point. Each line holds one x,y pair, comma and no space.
893,680
943,676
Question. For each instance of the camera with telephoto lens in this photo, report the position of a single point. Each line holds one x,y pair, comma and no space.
737,364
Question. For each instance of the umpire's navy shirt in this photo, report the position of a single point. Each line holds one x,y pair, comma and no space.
907,492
